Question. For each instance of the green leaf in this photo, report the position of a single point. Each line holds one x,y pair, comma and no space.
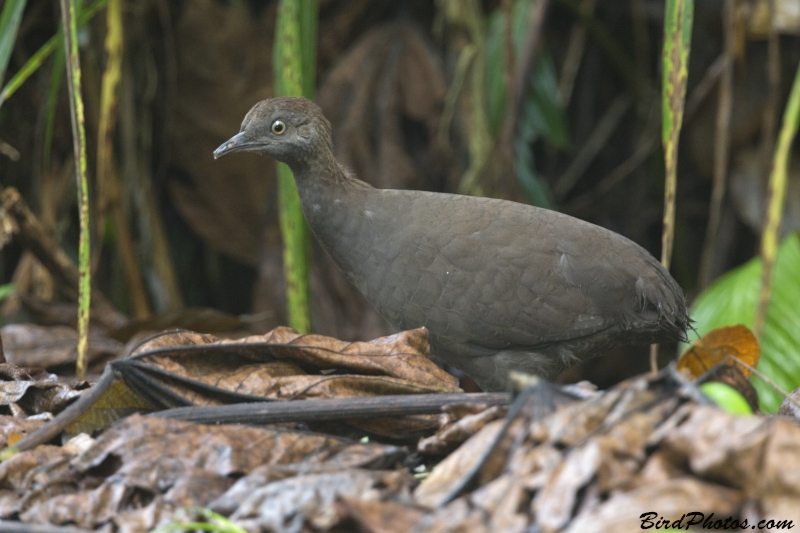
494,71
6,291
36,60
678,20
545,96
732,300
9,25
309,10
542,114
218,523
727,398
494,50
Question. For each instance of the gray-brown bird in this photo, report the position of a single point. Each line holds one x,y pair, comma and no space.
499,285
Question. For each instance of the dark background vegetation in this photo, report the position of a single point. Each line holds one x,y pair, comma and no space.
206,232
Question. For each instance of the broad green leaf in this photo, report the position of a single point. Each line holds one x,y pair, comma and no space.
732,300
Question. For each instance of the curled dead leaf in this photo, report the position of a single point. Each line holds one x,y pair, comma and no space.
182,368
26,392
456,425
719,346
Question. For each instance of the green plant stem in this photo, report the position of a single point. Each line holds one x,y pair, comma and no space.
678,18
295,62
776,197
70,28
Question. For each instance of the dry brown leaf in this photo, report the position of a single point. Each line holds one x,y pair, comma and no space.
613,458
29,345
457,424
401,356
600,472
150,466
24,478
571,424
225,450
717,346
309,498
554,505
704,441
26,392
181,368
788,408
331,460
184,368
506,500
378,516
447,474
672,499
13,429
779,478
594,465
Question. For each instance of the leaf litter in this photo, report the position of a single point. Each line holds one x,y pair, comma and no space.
552,461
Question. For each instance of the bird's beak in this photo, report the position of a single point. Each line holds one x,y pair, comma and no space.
236,143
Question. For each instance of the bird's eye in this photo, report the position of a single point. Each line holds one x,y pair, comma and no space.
278,127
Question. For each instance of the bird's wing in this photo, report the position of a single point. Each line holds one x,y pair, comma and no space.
494,274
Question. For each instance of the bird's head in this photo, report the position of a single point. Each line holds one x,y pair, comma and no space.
291,130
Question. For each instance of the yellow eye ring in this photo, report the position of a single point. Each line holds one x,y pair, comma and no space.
278,127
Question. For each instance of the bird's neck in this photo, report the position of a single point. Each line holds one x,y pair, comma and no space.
325,188
322,176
